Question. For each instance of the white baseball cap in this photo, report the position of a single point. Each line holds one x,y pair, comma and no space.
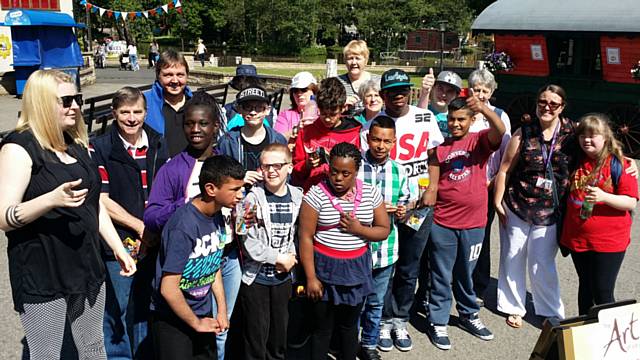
302,80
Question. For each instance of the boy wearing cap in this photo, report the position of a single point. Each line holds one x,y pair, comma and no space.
417,135
446,88
246,76
245,143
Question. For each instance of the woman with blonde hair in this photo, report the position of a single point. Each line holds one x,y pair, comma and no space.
597,224
53,220
356,56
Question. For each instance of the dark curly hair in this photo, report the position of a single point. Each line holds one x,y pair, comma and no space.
218,170
331,94
459,103
346,150
204,100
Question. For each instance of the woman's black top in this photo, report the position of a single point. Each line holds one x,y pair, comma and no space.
58,254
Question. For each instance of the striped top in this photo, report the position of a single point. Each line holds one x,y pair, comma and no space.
335,238
390,180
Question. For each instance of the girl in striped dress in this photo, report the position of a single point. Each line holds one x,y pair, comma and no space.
338,218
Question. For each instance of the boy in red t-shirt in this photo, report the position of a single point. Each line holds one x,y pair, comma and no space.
315,141
460,216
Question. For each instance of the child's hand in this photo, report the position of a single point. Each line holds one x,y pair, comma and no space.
401,212
595,194
250,217
207,324
390,208
313,161
349,223
314,289
429,198
633,167
285,262
428,81
252,177
223,321
474,104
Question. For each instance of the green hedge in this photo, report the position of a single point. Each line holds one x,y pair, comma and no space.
314,54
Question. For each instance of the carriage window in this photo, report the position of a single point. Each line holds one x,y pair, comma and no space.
579,56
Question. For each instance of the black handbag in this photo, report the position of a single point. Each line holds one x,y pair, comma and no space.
557,212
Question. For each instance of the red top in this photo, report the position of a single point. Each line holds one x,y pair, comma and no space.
462,188
608,229
313,137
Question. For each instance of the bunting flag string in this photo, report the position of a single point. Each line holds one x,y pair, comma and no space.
131,15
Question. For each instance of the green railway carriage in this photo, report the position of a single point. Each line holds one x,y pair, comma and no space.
589,47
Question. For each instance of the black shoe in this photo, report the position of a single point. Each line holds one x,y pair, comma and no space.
439,336
474,325
368,354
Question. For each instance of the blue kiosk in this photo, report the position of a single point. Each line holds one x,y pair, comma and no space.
43,40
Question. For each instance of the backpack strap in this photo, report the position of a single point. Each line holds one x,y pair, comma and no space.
616,172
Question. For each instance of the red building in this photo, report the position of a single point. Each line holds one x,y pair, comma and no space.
429,40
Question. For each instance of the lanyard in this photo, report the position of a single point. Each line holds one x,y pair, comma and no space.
548,156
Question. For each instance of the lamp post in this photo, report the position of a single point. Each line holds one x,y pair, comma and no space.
443,28
224,53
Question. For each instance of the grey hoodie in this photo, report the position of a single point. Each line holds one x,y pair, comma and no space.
255,245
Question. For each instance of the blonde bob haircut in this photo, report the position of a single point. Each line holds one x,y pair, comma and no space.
356,47
39,111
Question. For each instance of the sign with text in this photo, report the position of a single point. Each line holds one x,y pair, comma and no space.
619,335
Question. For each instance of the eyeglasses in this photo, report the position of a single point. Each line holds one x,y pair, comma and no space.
275,166
552,105
67,100
257,108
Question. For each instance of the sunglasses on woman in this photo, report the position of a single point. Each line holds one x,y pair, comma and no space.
67,100
552,105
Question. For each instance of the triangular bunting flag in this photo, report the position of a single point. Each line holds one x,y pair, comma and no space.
153,12
109,13
165,7
117,14
138,14
179,10
170,5
124,17
178,4
89,6
159,10
94,9
101,11
146,14
132,15
83,2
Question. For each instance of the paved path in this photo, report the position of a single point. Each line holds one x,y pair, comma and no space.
508,343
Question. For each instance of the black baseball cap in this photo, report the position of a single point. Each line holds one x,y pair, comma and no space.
394,78
252,93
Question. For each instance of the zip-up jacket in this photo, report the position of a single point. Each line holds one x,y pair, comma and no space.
255,245
125,183
231,143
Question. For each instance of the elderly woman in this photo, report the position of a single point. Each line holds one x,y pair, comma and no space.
303,87
53,219
356,56
483,84
369,92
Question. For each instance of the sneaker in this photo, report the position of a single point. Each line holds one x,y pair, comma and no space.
439,336
402,340
474,325
368,354
385,343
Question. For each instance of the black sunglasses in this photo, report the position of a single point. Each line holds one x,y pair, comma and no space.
67,101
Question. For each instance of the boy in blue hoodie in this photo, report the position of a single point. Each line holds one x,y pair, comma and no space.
245,143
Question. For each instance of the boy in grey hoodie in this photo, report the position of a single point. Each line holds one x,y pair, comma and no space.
269,255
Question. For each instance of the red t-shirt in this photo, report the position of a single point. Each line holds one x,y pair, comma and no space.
313,137
462,188
608,229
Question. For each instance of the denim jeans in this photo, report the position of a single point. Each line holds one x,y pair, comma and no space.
372,310
399,299
231,279
121,333
453,256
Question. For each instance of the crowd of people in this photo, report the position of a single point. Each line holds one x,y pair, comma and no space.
192,230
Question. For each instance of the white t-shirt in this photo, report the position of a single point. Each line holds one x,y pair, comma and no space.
416,132
480,124
132,50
